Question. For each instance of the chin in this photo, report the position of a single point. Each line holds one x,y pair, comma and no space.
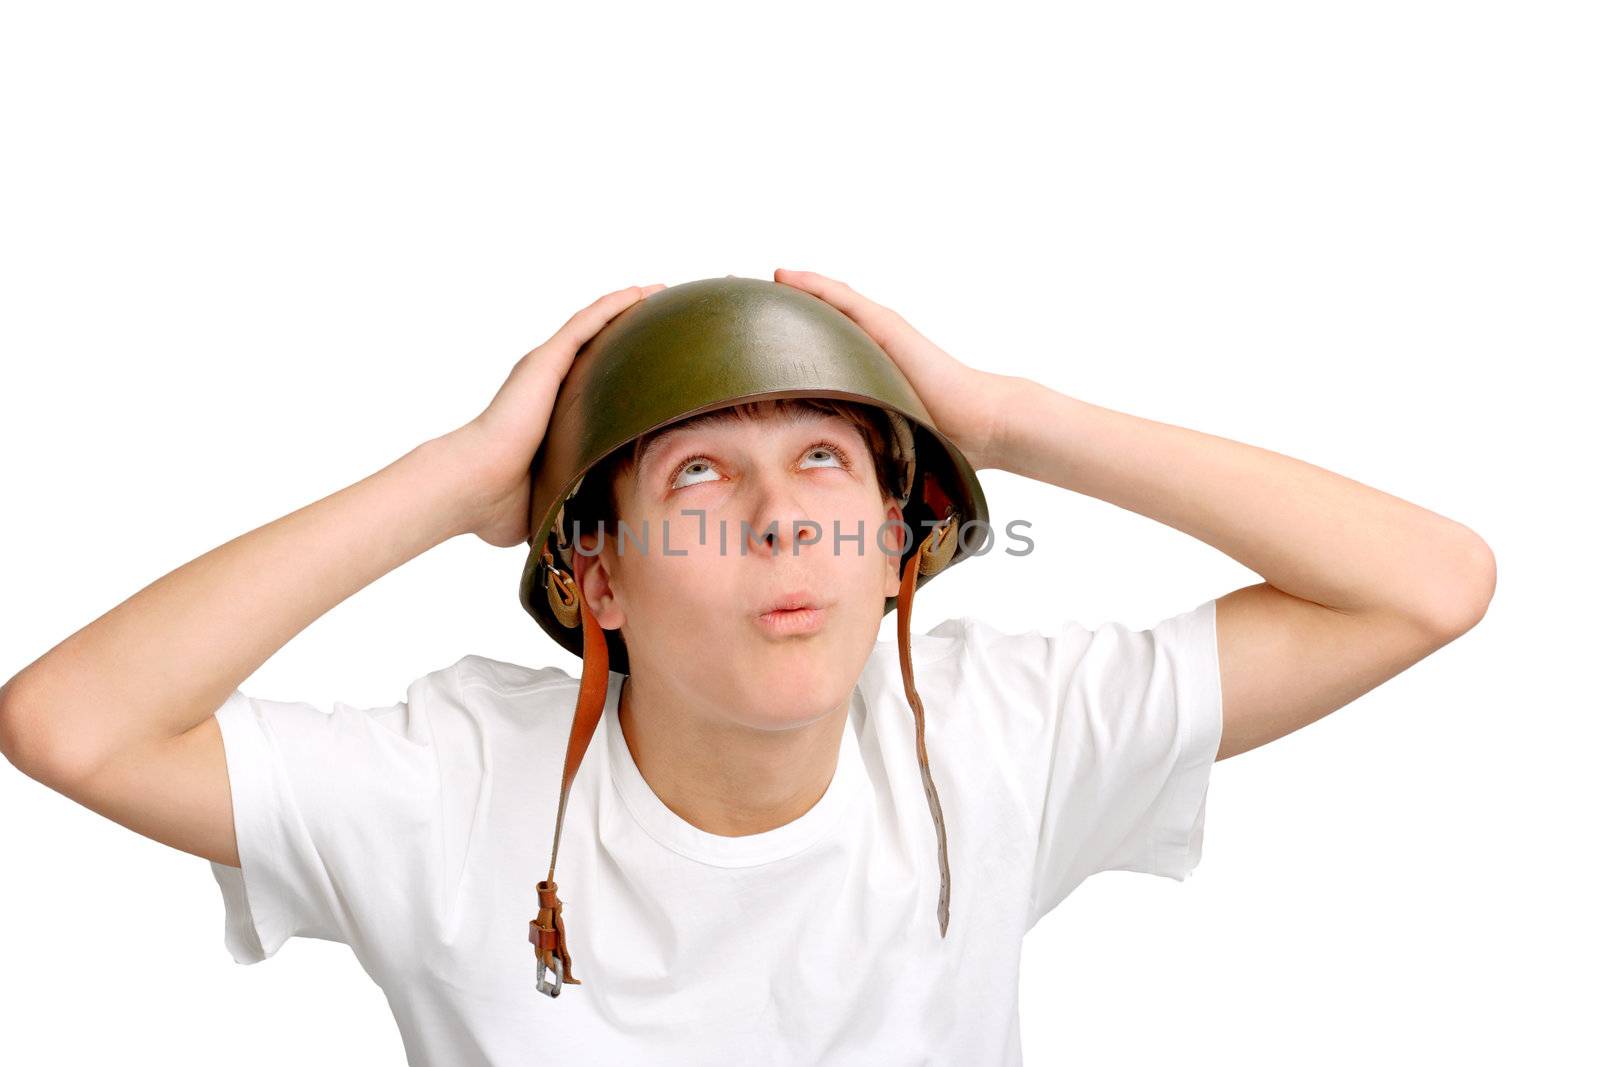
792,688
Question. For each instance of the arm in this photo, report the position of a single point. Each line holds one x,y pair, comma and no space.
119,716
1359,584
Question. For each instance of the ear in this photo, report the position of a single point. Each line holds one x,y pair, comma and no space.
895,535
594,576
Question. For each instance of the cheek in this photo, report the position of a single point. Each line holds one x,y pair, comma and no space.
685,594
856,578
867,558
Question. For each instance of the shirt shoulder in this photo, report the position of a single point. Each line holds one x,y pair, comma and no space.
354,820
483,711
969,670
509,696
1100,740
500,675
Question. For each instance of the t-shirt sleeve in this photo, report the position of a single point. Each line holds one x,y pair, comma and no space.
1113,732
335,812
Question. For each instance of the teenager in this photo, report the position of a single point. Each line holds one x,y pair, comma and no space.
746,851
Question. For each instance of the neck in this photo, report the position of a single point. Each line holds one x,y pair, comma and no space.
726,778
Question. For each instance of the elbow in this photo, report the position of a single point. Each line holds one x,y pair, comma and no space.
19,735
1465,588
28,742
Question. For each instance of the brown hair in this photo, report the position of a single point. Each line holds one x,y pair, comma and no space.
597,501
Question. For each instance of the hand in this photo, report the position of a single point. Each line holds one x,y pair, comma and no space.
967,404
496,448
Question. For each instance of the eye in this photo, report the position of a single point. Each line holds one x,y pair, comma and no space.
828,450
698,470
693,469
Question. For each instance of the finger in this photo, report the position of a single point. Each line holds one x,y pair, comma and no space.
883,325
587,322
548,363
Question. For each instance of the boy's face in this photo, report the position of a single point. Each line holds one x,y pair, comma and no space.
691,607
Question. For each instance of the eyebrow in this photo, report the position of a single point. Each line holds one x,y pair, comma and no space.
658,444
655,446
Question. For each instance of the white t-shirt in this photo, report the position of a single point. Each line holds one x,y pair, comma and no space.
415,834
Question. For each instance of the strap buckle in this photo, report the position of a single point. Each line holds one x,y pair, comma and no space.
561,591
939,547
551,989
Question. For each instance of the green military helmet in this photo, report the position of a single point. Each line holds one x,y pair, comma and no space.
681,352
710,344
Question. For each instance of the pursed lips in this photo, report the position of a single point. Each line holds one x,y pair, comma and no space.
792,613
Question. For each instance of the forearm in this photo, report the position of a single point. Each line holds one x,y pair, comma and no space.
1307,531
167,657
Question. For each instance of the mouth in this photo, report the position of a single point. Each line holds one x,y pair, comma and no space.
796,613
791,602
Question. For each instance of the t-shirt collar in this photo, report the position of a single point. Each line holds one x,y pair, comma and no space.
671,830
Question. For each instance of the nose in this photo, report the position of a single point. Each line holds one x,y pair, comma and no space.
778,520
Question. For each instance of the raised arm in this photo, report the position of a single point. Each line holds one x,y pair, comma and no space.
120,715
1359,584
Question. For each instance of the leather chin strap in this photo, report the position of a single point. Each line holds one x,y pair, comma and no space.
547,932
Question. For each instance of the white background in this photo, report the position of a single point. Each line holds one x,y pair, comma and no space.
254,254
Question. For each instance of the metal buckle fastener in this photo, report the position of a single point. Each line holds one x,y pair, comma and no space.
549,988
